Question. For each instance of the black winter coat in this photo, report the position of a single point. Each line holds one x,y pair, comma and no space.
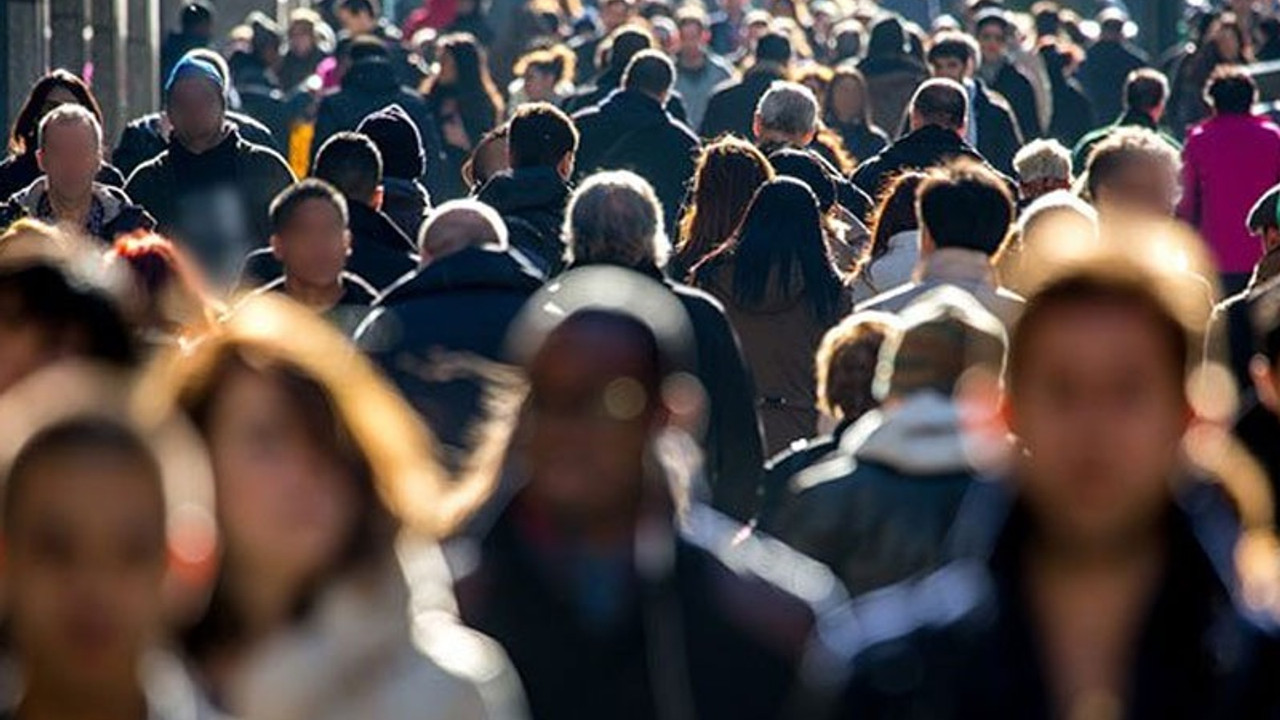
929,146
532,203
631,131
999,137
1104,72
720,634
380,253
1016,88
972,646
733,105
142,139
439,331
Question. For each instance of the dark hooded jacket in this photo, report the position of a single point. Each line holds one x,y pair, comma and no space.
371,85
532,203
1104,72
733,105
970,641
720,630
892,74
142,139
999,137
215,203
112,213
439,332
631,131
380,253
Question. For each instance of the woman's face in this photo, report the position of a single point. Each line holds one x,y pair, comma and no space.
847,101
301,38
448,68
285,504
539,85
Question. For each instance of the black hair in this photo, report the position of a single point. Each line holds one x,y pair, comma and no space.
780,241
941,102
626,42
44,295
287,202
361,7
650,72
965,205
1145,90
1231,91
194,14
540,135
953,45
351,163
23,137
93,434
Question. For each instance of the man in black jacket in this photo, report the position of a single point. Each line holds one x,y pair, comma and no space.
368,85
880,510
1000,73
938,121
1102,572
632,131
1108,64
530,197
733,105
613,220
992,128
380,252
609,602
440,333
210,190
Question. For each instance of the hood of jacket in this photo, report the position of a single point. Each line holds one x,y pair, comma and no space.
470,269
930,142
114,201
372,76
367,225
919,436
523,189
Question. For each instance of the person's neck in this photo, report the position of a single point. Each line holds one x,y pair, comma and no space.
203,143
317,297
693,57
71,207
45,698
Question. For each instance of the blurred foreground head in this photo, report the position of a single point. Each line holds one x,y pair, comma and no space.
608,354
1132,172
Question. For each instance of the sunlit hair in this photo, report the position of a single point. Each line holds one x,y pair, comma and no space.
487,158
557,61
1043,160
615,217
68,114
845,364
474,86
729,173
1124,147
28,240
895,212
166,282
23,137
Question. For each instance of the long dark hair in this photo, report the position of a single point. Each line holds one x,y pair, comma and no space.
895,212
780,242
729,173
479,102
22,139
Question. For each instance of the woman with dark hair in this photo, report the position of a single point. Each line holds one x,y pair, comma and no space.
781,293
464,102
847,109
1224,43
729,173
891,257
316,460
20,169
893,73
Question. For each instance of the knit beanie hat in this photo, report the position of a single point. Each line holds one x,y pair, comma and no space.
397,138
195,67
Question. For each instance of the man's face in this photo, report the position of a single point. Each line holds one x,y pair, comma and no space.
70,158
589,422
691,36
1100,411
614,15
84,567
195,109
538,85
993,41
314,244
950,68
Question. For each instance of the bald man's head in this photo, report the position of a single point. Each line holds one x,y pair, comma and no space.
458,225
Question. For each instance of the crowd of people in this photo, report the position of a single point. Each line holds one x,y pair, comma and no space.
647,359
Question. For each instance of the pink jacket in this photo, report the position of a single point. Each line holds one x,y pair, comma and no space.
1228,162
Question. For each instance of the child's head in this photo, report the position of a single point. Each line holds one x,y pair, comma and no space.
85,556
